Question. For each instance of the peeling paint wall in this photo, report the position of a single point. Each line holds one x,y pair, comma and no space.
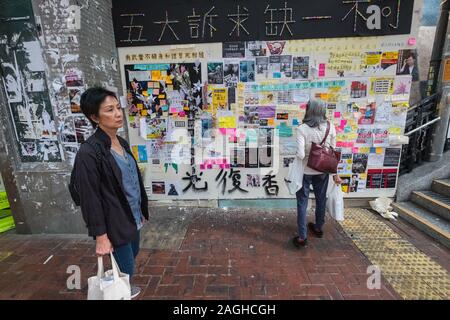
77,51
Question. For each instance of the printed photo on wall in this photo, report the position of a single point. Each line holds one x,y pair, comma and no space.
156,128
28,149
300,68
360,162
75,97
358,89
276,47
215,72
389,60
255,49
407,63
367,114
159,187
67,130
74,78
231,74
262,67
49,151
354,183
83,128
247,71
402,85
286,66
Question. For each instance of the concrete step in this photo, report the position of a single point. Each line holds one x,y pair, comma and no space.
433,202
441,186
424,220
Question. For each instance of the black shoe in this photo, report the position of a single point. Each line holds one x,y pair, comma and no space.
299,243
312,228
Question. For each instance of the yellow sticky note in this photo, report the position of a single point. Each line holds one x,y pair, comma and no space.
156,75
395,130
140,106
144,112
227,122
364,150
168,80
161,96
271,122
379,150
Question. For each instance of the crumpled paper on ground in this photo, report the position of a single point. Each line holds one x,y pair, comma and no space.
382,205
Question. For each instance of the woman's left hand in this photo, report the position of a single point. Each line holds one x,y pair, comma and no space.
337,179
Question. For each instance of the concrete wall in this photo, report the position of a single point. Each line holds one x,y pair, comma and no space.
78,35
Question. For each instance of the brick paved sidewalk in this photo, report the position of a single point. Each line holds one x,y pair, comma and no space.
234,254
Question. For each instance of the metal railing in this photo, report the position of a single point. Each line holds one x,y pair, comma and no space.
419,128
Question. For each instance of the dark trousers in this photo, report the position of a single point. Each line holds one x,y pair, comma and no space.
320,185
126,254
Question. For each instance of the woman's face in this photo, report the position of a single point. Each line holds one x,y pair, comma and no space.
110,114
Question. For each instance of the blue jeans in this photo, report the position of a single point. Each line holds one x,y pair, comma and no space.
126,254
320,185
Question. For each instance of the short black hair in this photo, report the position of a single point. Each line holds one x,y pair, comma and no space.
91,100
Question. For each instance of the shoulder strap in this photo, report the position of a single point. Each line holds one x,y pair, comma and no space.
326,133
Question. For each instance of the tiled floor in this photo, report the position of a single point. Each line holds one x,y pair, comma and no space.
233,254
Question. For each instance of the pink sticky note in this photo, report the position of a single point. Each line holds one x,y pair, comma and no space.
223,131
339,144
412,41
343,123
355,150
222,166
213,161
202,167
173,110
219,161
182,114
227,166
225,160
337,114
209,166
322,70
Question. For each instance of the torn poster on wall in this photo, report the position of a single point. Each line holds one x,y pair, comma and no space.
24,80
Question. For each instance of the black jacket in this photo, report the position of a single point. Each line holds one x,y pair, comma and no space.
103,202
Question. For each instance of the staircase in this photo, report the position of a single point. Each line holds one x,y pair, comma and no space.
429,211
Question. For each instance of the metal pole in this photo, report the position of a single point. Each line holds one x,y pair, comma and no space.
438,49
442,43
439,136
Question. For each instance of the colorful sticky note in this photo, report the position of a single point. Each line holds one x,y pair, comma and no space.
355,150
202,167
337,114
271,122
209,166
379,150
412,41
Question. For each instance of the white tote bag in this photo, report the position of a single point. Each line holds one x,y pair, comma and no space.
294,178
109,285
335,202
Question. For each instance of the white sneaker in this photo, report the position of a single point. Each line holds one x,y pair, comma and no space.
135,291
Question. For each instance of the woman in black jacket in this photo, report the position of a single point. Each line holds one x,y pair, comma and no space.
112,196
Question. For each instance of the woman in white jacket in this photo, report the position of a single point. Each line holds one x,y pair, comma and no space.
313,129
